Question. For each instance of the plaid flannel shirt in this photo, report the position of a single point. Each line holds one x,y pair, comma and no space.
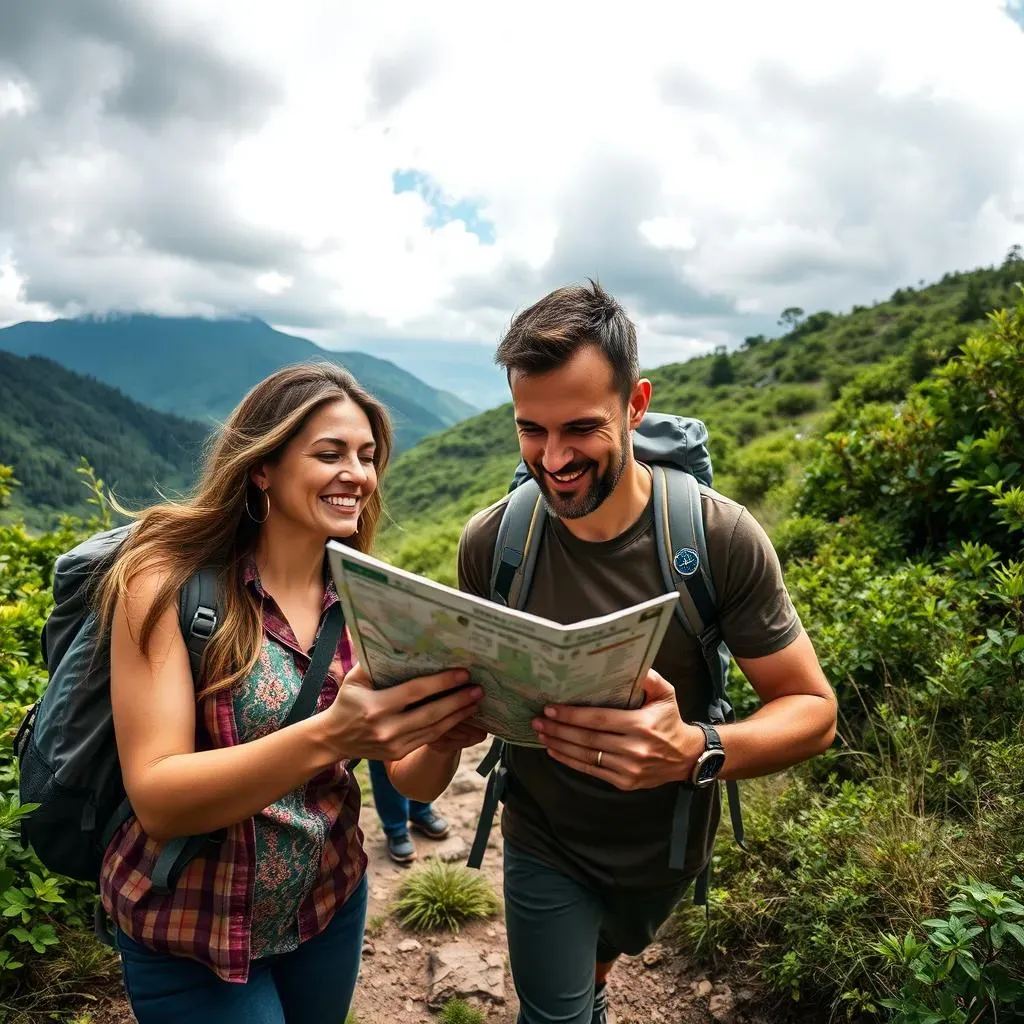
207,917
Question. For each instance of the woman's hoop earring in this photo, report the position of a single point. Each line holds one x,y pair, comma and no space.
249,510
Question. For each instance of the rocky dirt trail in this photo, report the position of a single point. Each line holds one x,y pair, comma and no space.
405,976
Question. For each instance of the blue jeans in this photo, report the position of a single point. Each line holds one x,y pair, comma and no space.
393,809
311,985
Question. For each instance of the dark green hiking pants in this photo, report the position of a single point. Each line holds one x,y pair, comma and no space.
558,929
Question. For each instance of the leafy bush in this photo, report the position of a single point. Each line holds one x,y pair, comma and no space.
946,465
968,964
443,896
45,948
903,561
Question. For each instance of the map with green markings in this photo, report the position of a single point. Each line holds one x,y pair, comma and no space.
404,626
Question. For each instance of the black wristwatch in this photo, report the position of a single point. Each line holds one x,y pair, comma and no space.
709,764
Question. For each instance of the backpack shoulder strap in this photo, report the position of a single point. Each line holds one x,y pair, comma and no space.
512,565
683,553
199,614
682,547
516,546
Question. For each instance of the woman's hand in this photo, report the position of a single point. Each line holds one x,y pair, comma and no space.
385,725
462,736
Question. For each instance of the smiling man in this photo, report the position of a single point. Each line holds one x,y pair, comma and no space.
588,816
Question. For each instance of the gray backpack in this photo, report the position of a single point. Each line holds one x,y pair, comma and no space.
675,448
65,746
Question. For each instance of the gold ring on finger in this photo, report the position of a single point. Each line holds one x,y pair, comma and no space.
600,754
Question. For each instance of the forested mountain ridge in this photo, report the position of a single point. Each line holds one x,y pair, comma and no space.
51,418
200,369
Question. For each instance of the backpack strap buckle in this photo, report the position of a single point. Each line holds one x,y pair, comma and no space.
204,623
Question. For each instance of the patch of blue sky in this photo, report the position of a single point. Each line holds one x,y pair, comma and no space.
442,209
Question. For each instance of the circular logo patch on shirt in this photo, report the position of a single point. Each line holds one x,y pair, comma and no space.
686,561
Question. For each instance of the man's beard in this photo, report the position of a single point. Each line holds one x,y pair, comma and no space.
577,506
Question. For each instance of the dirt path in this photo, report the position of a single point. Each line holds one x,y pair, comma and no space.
662,987
396,974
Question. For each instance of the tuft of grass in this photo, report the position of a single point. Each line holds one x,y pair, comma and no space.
457,1011
443,896
375,925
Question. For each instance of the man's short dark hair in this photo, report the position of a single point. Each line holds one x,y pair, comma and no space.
549,333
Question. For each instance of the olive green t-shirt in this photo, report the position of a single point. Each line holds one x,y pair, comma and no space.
585,826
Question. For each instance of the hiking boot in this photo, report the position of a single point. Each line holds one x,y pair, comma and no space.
431,824
600,1015
400,848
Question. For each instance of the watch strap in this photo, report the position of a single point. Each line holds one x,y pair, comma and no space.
711,738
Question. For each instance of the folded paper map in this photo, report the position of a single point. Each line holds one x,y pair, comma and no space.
403,626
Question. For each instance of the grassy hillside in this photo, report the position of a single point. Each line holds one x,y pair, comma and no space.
50,418
200,369
755,402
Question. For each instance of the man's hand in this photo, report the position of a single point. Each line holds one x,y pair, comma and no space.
638,749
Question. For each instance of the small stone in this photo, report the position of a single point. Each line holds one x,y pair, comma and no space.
654,955
368,948
720,1004
703,988
468,783
452,849
409,946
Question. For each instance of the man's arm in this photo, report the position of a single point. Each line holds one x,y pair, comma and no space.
652,745
796,721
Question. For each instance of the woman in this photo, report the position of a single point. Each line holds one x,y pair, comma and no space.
266,924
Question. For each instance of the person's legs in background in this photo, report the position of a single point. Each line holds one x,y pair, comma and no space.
396,812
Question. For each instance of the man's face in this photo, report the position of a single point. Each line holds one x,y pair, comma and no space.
574,432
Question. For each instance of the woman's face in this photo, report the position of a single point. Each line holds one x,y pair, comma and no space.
325,475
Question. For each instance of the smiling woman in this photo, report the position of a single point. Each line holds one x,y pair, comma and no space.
263,920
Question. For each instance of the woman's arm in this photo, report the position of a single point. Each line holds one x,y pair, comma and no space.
427,772
175,790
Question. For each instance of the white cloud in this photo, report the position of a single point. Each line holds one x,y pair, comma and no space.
711,164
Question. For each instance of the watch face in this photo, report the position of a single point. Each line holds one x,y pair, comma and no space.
709,768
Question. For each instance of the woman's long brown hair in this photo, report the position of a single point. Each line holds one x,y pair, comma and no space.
213,528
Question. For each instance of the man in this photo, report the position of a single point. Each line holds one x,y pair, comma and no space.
588,815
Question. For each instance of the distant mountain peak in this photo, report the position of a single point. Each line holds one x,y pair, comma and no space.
201,367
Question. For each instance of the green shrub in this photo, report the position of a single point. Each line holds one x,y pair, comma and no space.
795,401
968,966
949,464
457,1011
763,465
45,947
903,561
444,896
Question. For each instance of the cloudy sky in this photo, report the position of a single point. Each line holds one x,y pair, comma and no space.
423,170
